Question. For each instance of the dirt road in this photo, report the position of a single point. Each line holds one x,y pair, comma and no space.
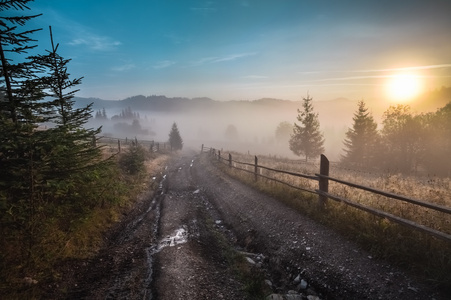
173,246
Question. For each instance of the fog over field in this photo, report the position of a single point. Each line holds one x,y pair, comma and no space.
245,126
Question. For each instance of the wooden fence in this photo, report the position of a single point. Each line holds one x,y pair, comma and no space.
323,179
118,144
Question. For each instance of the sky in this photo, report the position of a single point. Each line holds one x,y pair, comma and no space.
249,49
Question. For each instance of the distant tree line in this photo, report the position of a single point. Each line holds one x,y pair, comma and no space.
407,143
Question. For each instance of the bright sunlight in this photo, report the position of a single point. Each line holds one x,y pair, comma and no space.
403,87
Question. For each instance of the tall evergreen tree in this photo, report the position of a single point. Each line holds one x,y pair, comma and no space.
307,139
361,139
73,145
175,140
23,153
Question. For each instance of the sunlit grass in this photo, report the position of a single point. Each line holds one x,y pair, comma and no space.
414,250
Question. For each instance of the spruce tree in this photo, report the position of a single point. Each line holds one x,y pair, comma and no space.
23,154
307,139
175,140
361,140
74,148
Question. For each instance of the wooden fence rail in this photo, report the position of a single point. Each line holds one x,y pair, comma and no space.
323,179
120,142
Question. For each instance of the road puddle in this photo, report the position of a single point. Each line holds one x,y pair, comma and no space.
179,236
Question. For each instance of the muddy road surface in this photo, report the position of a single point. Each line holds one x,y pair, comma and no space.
174,245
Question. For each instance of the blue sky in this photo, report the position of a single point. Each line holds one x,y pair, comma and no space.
248,49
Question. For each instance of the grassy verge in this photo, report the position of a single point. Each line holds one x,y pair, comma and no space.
70,230
425,256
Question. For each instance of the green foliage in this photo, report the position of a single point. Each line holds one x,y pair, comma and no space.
175,140
361,139
132,162
306,139
50,179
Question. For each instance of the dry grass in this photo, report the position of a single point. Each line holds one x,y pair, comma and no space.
412,249
70,236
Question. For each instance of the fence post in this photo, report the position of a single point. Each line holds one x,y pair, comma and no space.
219,155
256,168
323,182
230,160
119,145
202,149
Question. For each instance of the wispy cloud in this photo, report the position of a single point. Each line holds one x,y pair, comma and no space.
234,56
176,39
123,68
95,42
203,10
428,67
82,35
216,59
163,64
255,77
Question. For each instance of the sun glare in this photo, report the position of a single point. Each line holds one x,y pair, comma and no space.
403,87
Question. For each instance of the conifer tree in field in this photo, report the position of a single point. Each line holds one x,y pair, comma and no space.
307,139
175,140
74,149
361,140
38,165
23,154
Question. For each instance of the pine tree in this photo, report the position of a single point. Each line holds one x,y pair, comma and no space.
23,153
361,140
306,139
74,149
175,140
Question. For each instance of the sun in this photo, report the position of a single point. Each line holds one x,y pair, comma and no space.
403,87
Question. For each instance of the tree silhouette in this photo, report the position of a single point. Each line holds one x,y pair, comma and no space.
306,139
283,132
175,140
231,133
403,136
361,140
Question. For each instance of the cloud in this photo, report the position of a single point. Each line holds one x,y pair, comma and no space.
123,68
428,67
255,77
94,42
176,39
216,59
164,64
81,35
234,57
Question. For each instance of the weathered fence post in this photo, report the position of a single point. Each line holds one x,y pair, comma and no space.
230,160
219,155
202,149
323,182
118,145
256,168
